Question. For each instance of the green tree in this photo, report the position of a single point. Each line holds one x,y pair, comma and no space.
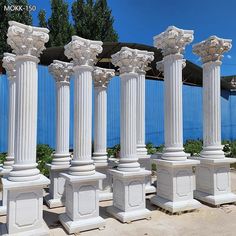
60,28
42,18
3,27
104,22
93,20
5,16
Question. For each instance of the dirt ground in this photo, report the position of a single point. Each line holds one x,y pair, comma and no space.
206,221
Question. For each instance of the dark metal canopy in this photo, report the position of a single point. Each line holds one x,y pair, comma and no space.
192,73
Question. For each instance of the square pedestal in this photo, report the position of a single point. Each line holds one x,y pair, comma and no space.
213,183
3,202
25,208
56,196
82,203
129,202
175,185
145,163
105,185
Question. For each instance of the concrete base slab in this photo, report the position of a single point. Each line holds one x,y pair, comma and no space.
126,217
215,199
173,207
76,226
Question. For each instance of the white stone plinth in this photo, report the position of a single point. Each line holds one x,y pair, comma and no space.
82,203
175,185
56,196
213,183
105,185
3,207
25,197
145,162
129,195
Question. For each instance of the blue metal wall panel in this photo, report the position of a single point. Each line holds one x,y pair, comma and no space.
233,115
192,111
154,104
225,115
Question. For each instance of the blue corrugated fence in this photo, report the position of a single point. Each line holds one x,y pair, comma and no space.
192,111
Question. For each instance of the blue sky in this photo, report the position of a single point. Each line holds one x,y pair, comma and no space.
139,20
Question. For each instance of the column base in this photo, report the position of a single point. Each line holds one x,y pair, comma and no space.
129,201
76,226
25,207
126,217
175,206
56,196
145,162
3,207
82,203
43,231
3,210
213,182
175,185
105,186
141,150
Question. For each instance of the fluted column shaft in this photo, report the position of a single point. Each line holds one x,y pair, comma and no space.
26,119
173,108
100,125
128,139
82,163
141,146
212,147
11,124
62,155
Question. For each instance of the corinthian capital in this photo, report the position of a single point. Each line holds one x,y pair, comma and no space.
173,40
83,51
212,49
102,76
26,40
8,62
132,60
61,70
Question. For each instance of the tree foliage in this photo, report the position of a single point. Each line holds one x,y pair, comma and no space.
5,16
93,20
42,19
60,28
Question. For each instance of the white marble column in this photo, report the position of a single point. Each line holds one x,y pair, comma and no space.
25,184
175,178
61,72
141,146
82,182
101,79
144,158
129,178
9,65
213,174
